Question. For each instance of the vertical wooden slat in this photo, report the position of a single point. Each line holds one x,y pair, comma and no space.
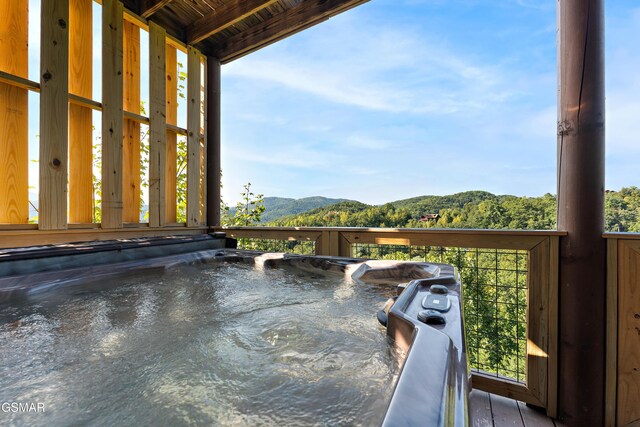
131,145
552,364
611,372
628,364
54,114
334,243
213,142
80,118
203,143
172,138
538,321
344,246
112,86
193,137
14,122
157,125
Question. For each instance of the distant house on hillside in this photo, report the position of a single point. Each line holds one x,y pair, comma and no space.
430,217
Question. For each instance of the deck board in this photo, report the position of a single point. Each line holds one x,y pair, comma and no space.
505,412
533,418
480,409
490,410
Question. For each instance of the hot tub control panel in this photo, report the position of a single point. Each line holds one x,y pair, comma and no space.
426,322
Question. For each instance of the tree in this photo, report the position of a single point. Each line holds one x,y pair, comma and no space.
248,210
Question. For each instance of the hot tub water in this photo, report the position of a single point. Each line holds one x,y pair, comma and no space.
221,344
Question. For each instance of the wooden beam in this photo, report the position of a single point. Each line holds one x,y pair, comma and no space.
304,15
20,238
157,125
149,7
14,119
112,117
581,161
226,15
80,117
193,137
18,81
213,142
131,103
170,172
54,114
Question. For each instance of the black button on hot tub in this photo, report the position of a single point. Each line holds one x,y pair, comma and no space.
439,289
431,317
436,302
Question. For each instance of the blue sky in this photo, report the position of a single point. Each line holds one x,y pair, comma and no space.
399,98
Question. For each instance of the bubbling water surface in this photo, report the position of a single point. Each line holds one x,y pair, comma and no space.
218,344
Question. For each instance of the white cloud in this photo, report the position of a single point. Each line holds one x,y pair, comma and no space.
390,70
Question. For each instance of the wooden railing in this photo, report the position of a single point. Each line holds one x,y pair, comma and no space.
540,247
623,329
66,159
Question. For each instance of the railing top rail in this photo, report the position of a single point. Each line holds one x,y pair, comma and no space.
487,232
625,236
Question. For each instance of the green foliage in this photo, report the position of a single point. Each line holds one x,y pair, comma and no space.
181,178
622,210
247,212
473,209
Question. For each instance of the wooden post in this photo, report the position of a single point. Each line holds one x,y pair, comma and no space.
131,103
80,117
213,142
54,114
14,121
112,116
581,142
157,125
193,137
172,138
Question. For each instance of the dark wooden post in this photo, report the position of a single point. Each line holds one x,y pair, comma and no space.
581,142
213,142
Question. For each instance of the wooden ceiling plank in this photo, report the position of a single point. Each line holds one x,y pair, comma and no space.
300,17
149,7
231,13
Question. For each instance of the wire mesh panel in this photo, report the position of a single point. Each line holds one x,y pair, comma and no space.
495,301
301,247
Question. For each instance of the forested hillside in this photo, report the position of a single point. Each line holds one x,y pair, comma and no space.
471,209
277,207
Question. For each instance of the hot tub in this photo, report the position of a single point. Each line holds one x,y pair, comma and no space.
203,335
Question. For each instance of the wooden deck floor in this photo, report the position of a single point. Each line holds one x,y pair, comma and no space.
490,410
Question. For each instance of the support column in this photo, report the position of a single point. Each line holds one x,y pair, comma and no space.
581,142
213,141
